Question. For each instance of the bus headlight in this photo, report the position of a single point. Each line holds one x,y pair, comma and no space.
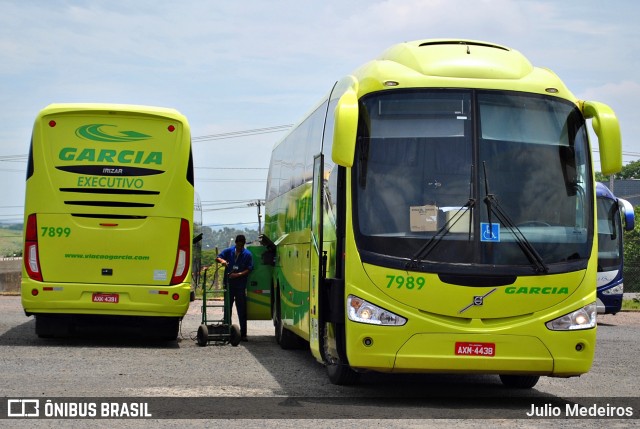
616,290
359,310
584,318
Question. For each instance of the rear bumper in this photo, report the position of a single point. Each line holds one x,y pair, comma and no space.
133,300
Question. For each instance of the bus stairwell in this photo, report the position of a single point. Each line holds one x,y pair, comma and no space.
216,324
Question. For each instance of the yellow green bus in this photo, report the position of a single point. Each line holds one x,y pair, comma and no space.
434,213
108,218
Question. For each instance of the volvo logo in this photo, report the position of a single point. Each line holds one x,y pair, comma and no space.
478,300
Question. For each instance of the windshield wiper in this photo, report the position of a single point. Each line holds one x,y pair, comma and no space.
424,251
493,206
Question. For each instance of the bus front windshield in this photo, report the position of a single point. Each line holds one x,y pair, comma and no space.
472,179
609,235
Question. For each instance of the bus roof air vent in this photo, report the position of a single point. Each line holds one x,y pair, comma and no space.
467,43
465,59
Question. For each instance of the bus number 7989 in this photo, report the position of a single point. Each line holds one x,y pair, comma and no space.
408,282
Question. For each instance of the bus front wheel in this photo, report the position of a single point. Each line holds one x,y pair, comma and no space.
519,381
338,369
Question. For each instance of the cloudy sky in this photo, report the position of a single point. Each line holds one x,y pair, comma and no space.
238,66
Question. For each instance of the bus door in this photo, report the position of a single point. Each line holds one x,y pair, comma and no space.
317,257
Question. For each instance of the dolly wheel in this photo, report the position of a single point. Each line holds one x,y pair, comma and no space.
203,335
235,335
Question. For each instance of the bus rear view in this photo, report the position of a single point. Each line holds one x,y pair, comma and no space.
108,217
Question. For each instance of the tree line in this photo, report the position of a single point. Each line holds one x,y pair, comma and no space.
629,171
632,257
631,238
215,240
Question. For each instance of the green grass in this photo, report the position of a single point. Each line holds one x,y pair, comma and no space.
631,304
10,242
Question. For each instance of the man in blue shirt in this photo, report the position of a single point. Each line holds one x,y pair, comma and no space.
238,263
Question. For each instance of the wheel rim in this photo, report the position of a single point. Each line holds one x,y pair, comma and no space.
329,346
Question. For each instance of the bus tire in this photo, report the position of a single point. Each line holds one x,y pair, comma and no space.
168,328
53,325
45,326
338,369
341,374
519,381
275,316
287,339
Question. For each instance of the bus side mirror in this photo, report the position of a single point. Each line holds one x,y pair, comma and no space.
606,126
345,129
628,216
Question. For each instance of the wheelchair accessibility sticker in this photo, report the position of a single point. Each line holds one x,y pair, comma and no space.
490,232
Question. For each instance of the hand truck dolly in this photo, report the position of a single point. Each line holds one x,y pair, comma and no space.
216,304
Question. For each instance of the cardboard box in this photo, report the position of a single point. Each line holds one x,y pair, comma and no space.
423,218
461,217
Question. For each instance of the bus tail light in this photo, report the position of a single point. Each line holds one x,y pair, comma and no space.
175,296
31,258
183,256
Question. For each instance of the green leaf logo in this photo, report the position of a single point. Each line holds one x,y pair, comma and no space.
96,133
